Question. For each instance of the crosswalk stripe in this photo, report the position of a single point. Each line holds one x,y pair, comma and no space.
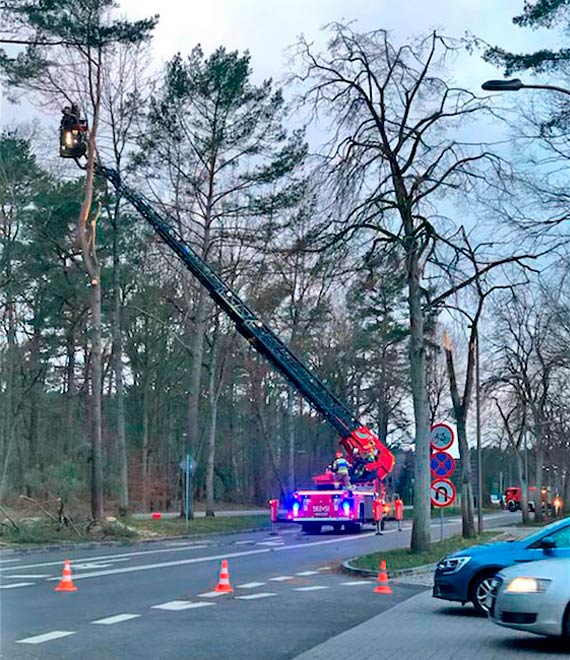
281,578
250,585
255,596
212,594
15,586
46,637
303,573
177,605
315,588
118,618
355,583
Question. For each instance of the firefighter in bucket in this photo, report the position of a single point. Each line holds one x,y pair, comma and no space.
72,133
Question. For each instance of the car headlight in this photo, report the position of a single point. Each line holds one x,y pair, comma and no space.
452,564
527,585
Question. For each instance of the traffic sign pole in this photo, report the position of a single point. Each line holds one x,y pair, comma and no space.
187,489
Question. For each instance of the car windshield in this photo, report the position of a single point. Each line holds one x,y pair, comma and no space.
546,531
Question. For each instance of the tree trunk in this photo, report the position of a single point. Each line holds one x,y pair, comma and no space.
291,435
467,509
144,457
97,510
214,395
421,528
523,486
118,368
539,453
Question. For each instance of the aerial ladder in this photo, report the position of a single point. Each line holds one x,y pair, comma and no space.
375,460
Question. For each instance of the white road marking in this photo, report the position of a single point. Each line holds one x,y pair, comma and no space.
264,594
15,586
355,583
325,568
314,588
6,561
177,605
304,573
213,594
111,558
26,577
271,543
118,618
46,637
91,565
245,543
281,578
251,585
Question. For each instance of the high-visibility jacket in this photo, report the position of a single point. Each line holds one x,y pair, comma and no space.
340,466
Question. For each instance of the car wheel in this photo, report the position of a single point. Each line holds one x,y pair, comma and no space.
480,588
566,623
512,506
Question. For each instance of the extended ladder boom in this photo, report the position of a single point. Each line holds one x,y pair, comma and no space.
249,325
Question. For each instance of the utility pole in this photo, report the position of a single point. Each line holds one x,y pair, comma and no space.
479,453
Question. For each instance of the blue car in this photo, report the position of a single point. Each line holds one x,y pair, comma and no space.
466,575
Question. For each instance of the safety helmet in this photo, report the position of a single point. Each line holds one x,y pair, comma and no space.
339,454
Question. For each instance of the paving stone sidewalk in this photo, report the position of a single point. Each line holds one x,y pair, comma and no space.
423,628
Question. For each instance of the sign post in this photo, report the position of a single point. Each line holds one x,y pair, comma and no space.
442,466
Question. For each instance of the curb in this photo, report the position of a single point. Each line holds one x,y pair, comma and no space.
88,545
347,567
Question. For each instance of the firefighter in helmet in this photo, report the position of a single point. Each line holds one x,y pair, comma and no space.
341,469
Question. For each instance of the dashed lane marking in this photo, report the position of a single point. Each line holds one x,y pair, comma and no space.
281,578
118,618
15,586
46,637
355,583
325,568
263,594
213,594
271,543
26,577
314,588
111,558
250,585
6,561
245,543
177,605
304,573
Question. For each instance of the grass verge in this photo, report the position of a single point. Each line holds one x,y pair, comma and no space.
177,526
39,532
404,558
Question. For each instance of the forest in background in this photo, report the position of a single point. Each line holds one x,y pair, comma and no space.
353,210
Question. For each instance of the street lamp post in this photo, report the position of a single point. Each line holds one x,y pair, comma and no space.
515,84
479,452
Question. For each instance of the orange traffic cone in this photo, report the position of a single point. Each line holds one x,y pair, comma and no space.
66,583
383,586
224,582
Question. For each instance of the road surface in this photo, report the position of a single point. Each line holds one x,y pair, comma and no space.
155,600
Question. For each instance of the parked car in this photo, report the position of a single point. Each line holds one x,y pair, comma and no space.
534,597
466,576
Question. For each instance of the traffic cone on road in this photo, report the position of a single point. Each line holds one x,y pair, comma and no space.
224,585
383,586
66,583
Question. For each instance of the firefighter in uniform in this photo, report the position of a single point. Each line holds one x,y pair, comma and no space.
340,468
399,511
378,513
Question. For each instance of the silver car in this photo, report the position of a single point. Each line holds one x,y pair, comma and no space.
534,597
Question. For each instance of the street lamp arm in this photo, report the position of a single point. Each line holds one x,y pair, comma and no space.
515,84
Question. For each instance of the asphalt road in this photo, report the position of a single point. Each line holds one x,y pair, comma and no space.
154,600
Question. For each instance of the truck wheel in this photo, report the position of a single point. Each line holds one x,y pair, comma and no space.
512,506
311,528
353,528
336,528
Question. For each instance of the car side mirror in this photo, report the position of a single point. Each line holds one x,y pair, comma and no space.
547,544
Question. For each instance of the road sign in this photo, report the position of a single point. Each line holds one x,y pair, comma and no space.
442,492
442,437
442,464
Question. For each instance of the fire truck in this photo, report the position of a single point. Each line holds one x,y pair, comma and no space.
370,460
550,504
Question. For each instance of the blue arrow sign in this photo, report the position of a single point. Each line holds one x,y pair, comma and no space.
442,464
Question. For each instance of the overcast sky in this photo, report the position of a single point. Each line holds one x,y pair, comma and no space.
268,27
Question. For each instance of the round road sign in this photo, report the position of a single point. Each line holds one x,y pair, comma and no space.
442,464
442,492
442,437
